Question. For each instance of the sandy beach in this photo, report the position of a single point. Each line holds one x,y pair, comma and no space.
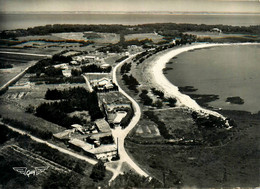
156,76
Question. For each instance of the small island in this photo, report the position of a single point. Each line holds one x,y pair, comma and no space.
235,100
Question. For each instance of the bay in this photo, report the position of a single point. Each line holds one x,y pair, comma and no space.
226,71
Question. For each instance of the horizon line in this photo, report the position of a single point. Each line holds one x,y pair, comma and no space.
135,12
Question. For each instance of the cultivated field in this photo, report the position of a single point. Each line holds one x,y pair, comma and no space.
154,37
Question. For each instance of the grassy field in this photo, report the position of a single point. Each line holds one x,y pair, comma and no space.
154,37
103,37
19,63
15,101
232,165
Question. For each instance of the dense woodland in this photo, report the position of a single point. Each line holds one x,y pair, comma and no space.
158,27
74,99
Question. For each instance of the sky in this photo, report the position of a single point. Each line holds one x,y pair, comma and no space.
231,6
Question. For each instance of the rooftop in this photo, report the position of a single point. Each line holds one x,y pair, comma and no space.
103,149
64,134
102,125
80,143
119,116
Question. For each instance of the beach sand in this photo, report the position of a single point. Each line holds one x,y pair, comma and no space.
154,74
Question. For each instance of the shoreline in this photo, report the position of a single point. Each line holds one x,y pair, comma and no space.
156,75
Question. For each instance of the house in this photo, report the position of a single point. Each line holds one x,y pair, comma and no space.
102,126
119,116
79,145
66,73
64,134
104,152
78,128
74,62
216,30
103,83
104,66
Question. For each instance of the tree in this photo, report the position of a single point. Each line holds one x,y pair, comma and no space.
30,109
98,171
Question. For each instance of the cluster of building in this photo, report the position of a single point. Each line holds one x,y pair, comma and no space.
89,140
102,84
95,139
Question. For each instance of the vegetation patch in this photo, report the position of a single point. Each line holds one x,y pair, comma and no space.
73,99
235,100
95,68
131,82
39,132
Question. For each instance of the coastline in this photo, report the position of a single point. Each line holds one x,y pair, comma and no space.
156,76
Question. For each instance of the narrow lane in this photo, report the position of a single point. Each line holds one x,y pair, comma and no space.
122,133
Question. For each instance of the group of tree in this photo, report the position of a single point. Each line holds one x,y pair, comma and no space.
39,132
145,99
5,65
131,82
119,29
127,119
132,180
125,68
105,90
95,68
6,134
98,171
57,80
76,72
161,125
158,93
73,99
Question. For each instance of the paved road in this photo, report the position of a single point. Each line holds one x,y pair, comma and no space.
87,83
122,133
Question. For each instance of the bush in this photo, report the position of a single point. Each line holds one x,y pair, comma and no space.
146,100
95,68
125,68
161,126
127,119
131,82
98,172
74,99
34,131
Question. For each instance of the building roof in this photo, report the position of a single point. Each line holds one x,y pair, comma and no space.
103,149
104,65
80,143
103,81
119,116
102,125
64,134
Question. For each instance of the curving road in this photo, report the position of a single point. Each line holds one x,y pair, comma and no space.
122,133
65,151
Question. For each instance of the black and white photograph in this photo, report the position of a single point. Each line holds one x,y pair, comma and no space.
114,94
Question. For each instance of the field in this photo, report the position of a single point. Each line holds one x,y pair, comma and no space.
15,101
19,63
62,170
154,37
224,37
232,165
102,37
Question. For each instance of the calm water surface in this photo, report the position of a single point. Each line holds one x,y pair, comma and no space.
224,71
14,21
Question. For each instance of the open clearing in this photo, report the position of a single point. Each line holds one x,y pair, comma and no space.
154,37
